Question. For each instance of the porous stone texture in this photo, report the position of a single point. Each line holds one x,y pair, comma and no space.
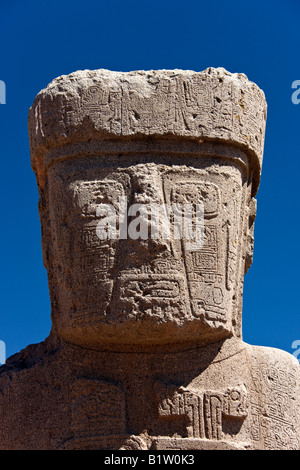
146,349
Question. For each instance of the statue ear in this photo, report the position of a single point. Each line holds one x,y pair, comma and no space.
250,233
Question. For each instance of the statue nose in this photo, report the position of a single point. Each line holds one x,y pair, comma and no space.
147,218
147,185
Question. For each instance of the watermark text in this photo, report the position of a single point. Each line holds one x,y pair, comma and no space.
2,352
296,93
142,221
296,346
2,92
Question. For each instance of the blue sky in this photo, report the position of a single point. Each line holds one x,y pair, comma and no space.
40,40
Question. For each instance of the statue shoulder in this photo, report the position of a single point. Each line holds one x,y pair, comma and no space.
276,385
274,357
29,391
14,372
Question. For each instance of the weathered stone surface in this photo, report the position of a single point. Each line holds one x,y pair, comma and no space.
146,349
214,105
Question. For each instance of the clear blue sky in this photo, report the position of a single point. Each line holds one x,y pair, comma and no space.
40,40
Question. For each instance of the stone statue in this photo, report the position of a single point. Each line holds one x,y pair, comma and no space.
146,349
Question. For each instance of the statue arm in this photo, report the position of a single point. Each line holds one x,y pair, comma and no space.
276,379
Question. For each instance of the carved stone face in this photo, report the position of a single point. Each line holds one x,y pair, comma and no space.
153,291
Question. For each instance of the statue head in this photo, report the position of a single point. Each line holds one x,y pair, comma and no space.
122,162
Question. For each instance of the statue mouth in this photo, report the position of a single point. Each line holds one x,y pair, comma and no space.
163,296
152,286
